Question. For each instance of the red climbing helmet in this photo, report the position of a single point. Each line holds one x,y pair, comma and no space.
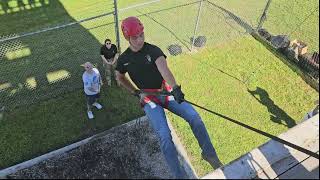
131,26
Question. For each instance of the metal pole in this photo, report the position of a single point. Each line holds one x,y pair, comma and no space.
264,15
197,23
138,5
116,20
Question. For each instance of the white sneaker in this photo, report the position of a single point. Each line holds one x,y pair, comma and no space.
90,114
97,105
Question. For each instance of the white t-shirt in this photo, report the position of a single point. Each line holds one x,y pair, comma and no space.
91,80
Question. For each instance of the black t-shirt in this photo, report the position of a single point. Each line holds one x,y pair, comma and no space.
141,66
108,53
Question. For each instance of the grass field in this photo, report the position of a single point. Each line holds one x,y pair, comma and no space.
273,99
234,75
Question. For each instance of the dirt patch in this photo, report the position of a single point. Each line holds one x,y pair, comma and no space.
129,151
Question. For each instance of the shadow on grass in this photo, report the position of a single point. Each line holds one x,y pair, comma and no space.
36,74
50,125
45,65
20,5
277,114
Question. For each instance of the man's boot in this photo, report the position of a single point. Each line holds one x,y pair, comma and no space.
213,161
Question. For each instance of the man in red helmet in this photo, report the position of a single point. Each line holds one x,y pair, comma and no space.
147,67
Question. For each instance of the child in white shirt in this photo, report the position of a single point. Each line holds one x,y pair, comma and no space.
92,84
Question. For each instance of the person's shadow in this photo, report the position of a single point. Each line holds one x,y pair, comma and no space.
277,114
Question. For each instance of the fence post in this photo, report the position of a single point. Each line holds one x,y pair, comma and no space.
116,20
264,15
197,24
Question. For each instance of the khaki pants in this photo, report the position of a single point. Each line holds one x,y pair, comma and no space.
109,72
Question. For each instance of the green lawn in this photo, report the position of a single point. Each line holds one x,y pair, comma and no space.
43,68
31,131
272,99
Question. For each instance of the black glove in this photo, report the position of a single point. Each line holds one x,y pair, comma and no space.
178,94
137,93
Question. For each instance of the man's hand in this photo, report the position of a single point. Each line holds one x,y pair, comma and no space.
178,94
137,93
110,63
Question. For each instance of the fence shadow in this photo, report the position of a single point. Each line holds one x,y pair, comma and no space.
184,42
21,5
44,65
237,19
169,30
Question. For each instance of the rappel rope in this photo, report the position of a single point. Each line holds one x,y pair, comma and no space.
299,148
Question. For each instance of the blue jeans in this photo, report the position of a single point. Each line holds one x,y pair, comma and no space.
158,120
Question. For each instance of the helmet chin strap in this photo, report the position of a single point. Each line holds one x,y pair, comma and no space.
134,49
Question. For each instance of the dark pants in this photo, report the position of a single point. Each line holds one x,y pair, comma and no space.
92,99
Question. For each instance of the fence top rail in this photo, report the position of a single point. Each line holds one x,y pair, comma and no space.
138,5
72,23
54,28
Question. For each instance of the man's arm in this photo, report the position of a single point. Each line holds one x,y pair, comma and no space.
105,60
164,70
115,58
124,81
253,93
168,77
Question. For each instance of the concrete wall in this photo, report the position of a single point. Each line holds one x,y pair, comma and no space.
130,150
272,159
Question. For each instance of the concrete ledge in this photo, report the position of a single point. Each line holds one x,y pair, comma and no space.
32,162
182,154
52,164
272,158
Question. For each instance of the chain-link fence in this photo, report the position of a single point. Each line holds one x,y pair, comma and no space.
296,19
46,63
169,23
293,28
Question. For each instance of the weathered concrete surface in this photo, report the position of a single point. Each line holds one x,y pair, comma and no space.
127,151
182,154
309,169
275,160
